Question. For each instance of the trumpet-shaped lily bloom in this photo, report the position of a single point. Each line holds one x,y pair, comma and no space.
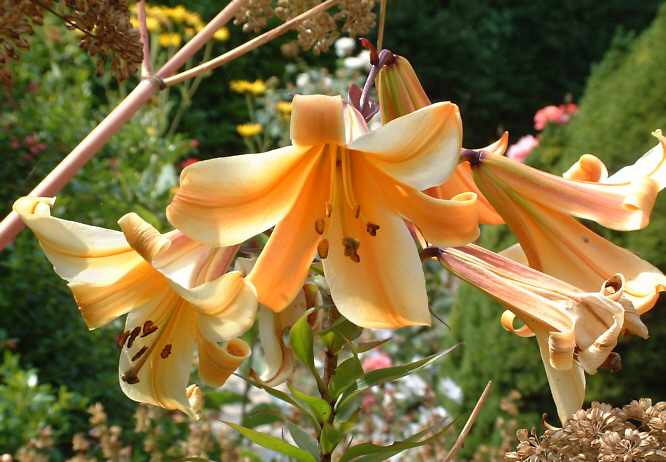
176,292
344,192
540,209
576,330
462,180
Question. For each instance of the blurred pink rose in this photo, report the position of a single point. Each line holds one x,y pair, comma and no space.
368,402
194,143
189,161
379,360
558,114
523,148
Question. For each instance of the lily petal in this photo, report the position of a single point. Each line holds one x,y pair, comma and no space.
278,358
217,363
567,386
157,353
420,149
587,168
445,223
106,276
621,206
227,200
285,261
386,287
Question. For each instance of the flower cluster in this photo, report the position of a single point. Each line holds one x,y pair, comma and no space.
256,88
554,114
601,433
173,23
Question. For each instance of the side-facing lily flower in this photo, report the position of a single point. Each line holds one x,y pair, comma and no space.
540,209
344,192
576,330
176,292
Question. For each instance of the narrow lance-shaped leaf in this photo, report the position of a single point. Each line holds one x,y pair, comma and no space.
273,443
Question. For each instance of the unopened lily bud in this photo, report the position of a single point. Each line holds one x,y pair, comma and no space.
399,90
195,398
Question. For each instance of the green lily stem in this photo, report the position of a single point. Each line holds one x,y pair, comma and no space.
330,366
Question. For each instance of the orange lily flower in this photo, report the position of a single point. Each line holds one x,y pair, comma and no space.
343,191
540,209
174,290
576,330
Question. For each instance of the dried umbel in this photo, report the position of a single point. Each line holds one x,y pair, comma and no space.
352,17
104,24
17,18
601,433
108,34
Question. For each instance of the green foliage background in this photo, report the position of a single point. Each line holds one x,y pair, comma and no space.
624,101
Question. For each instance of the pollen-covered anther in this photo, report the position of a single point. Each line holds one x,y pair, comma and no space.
139,353
320,226
357,211
130,377
148,328
166,351
322,248
372,229
135,333
351,248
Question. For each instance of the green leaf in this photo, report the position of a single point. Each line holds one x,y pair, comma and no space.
303,439
389,374
362,347
282,396
321,409
330,438
341,333
273,443
345,375
215,399
368,452
301,340
262,414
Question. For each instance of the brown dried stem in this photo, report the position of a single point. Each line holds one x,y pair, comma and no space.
250,45
147,66
468,425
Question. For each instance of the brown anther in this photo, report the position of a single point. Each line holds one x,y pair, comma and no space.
351,246
166,351
139,353
148,328
135,333
355,258
122,338
322,248
372,229
130,377
357,211
320,225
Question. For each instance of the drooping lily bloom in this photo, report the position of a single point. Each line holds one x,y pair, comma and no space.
540,209
576,330
176,292
345,192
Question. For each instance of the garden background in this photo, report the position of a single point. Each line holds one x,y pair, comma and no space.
499,61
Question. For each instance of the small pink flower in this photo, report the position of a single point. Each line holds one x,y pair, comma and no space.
523,148
379,360
548,114
194,143
14,143
368,402
189,161
31,139
570,108
37,148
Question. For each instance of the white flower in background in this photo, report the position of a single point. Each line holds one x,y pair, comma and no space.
302,80
359,62
344,46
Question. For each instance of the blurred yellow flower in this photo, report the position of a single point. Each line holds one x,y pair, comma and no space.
152,24
189,31
283,107
247,130
258,87
178,13
152,131
170,40
222,34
